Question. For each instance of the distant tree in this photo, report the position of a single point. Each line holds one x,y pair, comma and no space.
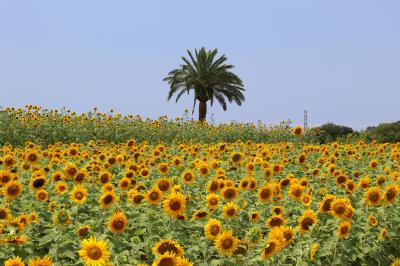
330,132
386,132
209,77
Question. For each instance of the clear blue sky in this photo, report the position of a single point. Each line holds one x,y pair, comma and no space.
340,59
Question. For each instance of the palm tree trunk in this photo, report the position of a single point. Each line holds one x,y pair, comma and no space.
202,110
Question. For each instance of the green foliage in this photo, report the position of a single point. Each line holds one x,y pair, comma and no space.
386,132
48,127
330,132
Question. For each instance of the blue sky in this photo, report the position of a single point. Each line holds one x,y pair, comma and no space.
340,60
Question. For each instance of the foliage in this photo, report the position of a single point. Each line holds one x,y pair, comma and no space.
386,132
330,132
45,127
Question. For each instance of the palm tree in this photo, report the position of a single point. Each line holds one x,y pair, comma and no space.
210,79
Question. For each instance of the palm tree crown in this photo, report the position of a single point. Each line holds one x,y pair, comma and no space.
210,79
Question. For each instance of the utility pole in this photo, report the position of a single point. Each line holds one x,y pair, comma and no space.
305,120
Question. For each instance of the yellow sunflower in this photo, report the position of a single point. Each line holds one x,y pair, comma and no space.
12,189
212,201
93,252
307,220
265,193
373,196
390,194
229,193
107,199
42,195
117,223
5,213
164,184
153,196
188,177
275,221
61,187
297,131
15,261
166,259
271,248
175,204
38,182
167,246
212,228
38,261
79,194
229,211
344,229
226,243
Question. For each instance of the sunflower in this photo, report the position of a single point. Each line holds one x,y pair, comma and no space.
288,234
175,204
396,262
83,230
9,161
105,177
38,261
200,215
166,259
301,158
296,191
107,199
313,252
5,213
12,189
275,221
212,229
212,201
42,195
325,204
183,261
135,197
229,211
307,220
297,131
144,172
167,246
383,234
390,194
255,216
70,170
15,261
213,185
373,164
93,252
226,243
277,210
344,229
164,184
61,187
163,168
372,220
188,177
271,248
38,182
153,196
79,194
229,193
237,157
124,183
306,199
31,157
117,223
373,196
203,169
339,207
265,193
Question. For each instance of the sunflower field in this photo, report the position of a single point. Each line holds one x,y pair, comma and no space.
225,203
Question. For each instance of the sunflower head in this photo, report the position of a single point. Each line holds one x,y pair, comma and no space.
167,246
212,228
226,243
94,252
306,221
117,223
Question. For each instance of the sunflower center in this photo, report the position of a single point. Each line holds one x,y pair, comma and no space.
227,243
79,195
229,194
344,230
163,185
188,177
153,195
214,230
138,199
5,179
213,201
12,190
265,194
175,205
230,212
72,171
166,262
32,157
390,194
340,209
118,224
108,199
3,214
167,247
374,197
270,248
95,253
38,183
306,223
